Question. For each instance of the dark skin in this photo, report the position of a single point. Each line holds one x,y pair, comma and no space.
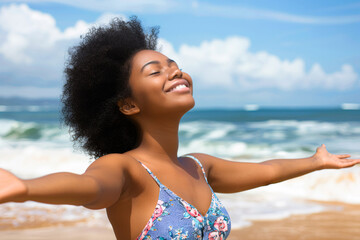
120,184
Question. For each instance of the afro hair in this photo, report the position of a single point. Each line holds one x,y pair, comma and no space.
96,78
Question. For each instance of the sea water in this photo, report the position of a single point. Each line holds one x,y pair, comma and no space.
33,143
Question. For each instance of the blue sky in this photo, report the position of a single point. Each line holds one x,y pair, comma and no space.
271,53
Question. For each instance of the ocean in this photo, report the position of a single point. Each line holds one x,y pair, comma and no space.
34,143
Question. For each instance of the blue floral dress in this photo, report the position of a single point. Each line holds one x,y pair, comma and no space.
174,218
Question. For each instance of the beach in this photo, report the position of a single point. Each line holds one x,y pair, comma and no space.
340,224
321,205
77,232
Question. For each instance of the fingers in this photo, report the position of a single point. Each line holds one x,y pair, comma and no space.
343,156
356,160
349,162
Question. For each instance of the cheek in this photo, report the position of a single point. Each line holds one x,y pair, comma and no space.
147,95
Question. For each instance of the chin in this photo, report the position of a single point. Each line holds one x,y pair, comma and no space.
192,105
187,106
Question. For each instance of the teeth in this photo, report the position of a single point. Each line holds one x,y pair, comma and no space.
178,87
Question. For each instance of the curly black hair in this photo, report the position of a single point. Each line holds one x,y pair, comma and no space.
96,78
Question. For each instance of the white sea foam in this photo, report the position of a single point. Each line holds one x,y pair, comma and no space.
251,107
261,205
350,106
33,161
326,185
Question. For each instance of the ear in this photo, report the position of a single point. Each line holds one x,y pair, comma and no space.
128,107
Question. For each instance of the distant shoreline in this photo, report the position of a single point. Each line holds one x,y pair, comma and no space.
20,101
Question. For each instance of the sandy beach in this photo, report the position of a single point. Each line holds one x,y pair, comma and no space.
331,225
59,233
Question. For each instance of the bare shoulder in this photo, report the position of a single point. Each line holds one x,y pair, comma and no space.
114,162
112,175
206,160
214,165
117,172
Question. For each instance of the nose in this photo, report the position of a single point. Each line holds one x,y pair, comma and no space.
175,74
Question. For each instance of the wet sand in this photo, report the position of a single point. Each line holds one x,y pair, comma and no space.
332,225
60,233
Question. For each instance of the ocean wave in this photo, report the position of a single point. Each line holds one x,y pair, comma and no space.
249,206
30,161
206,129
325,185
271,138
16,130
350,106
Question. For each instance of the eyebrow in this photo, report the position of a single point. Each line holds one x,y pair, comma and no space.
169,61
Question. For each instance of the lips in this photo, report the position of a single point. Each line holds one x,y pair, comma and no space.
177,84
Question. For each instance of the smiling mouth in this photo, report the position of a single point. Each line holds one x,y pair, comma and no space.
178,87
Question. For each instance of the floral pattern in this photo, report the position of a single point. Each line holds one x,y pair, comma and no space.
193,212
175,219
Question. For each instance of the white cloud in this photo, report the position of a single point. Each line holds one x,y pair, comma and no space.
230,64
29,33
32,48
25,30
33,51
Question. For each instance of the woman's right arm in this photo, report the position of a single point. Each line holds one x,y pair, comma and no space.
99,187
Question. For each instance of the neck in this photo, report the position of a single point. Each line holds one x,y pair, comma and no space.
160,138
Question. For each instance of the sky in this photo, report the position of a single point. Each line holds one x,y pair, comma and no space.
270,53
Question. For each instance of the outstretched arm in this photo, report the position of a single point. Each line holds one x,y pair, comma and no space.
228,177
99,187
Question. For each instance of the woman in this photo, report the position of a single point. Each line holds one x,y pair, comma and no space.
123,101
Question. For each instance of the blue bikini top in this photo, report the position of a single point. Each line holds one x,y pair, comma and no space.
174,218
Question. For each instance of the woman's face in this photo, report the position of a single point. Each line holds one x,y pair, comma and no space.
158,85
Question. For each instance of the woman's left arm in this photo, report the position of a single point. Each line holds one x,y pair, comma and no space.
229,177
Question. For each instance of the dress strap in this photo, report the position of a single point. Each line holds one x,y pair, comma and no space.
151,174
202,169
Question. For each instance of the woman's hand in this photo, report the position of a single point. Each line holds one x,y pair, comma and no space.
333,161
12,188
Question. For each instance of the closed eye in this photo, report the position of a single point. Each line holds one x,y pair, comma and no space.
154,73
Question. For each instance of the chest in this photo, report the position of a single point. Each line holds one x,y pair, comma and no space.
188,191
174,218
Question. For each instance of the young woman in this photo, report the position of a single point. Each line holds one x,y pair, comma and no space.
123,101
